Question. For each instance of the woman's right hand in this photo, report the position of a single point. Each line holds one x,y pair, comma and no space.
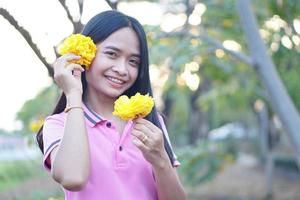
68,75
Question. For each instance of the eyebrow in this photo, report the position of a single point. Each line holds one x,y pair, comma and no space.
119,50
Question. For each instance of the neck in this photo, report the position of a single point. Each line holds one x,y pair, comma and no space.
102,105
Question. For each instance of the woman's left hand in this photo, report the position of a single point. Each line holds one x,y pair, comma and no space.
149,139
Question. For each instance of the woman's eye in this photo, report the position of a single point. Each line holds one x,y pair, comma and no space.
134,63
111,54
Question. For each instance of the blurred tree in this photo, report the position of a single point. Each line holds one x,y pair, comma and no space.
206,87
204,57
233,85
35,110
268,74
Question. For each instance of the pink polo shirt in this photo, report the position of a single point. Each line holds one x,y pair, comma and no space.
118,168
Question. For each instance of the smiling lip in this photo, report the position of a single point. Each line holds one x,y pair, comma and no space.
115,82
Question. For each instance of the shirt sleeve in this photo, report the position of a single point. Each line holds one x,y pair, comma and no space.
176,163
52,134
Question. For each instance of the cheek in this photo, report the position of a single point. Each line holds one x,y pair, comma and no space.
134,73
95,62
92,73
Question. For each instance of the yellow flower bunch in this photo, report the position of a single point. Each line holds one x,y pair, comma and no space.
80,45
137,106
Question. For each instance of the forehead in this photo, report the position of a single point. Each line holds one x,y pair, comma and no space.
124,39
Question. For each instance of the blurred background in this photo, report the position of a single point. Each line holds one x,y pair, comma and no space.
224,73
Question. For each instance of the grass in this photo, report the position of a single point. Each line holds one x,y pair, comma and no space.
42,195
13,173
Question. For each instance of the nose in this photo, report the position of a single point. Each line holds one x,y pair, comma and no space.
120,67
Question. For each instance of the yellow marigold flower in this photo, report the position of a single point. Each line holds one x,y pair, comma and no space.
137,106
35,125
80,45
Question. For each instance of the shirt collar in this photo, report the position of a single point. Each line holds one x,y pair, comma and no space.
91,116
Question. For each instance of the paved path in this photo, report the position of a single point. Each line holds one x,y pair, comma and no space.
247,183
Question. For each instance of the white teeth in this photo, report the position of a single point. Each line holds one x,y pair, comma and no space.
115,80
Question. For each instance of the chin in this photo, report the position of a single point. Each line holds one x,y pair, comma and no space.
114,94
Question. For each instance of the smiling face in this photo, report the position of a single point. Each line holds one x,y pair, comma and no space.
115,67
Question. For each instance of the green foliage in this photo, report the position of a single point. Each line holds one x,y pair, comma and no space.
39,107
286,162
287,9
15,172
222,21
202,162
231,86
179,116
54,198
287,61
43,195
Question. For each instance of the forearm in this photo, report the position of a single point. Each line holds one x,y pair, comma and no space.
168,183
71,162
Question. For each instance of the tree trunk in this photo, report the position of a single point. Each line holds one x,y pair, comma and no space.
278,96
198,125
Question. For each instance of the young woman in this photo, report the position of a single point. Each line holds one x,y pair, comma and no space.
93,154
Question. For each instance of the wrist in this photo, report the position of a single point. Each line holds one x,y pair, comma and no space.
163,164
67,109
74,99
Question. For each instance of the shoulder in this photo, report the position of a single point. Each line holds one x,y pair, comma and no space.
55,119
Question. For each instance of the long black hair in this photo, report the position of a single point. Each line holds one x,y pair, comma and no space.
99,28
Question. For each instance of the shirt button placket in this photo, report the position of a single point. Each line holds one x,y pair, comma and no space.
120,148
108,124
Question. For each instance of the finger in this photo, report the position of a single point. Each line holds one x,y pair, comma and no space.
144,129
152,128
137,142
64,60
140,135
75,69
69,70
70,56
73,66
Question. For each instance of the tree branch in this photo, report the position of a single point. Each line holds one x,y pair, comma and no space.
214,42
80,4
112,5
63,3
188,12
238,55
27,37
76,25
